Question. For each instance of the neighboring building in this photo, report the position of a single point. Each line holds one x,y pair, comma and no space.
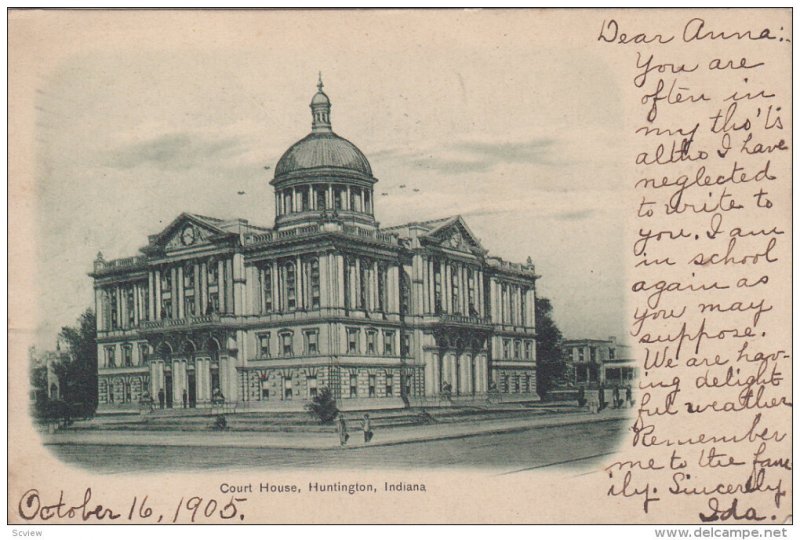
47,361
595,361
385,317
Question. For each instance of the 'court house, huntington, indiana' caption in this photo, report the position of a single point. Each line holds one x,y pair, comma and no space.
221,310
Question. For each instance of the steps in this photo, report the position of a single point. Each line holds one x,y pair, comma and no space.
301,422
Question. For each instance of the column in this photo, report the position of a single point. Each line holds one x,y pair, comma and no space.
329,196
430,286
135,304
357,285
238,282
174,291
156,380
197,294
221,286
230,306
479,292
180,312
393,289
466,374
300,282
346,205
157,303
203,288
324,278
436,374
464,290
374,282
447,288
151,293
340,281
277,306
178,383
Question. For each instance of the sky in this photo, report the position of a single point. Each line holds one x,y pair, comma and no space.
135,124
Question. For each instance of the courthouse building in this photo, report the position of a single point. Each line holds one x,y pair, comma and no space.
414,314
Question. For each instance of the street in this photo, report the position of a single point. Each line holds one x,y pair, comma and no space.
574,446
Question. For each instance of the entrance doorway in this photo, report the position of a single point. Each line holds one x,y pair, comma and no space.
192,390
168,389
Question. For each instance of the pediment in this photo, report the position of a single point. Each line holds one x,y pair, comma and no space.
186,231
455,235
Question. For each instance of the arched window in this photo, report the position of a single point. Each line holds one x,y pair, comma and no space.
213,349
291,286
165,351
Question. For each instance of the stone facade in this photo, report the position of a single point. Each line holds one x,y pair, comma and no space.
415,314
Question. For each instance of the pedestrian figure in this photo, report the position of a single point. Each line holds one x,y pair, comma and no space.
628,396
601,397
161,398
616,397
341,427
366,425
185,398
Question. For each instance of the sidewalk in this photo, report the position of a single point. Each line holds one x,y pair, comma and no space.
300,441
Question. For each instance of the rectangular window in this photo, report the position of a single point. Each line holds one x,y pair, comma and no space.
381,288
188,277
127,356
213,303
311,382
263,346
264,389
581,354
213,273
291,287
517,349
337,198
311,342
315,284
506,348
144,354
528,350
110,362
287,388
129,304
166,280
352,340
388,343
166,308
471,292
353,385
320,198
188,308
372,386
371,338
286,344
405,344
612,354
389,384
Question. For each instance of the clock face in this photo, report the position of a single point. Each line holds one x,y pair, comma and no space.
187,236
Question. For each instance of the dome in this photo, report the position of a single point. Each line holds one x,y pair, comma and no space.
320,99
323,150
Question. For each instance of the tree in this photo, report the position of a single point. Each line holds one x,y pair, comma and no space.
323,406
551,367
78,375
